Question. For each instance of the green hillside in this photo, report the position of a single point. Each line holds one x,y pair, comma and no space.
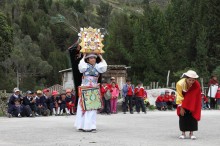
150,36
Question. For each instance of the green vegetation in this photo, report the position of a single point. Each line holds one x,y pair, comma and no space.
151,36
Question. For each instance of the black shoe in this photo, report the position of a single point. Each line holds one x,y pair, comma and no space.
124,112
131,113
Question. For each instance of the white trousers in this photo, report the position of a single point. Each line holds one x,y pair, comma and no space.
86,121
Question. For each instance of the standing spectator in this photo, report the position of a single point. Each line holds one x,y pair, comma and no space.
114,98
127,93
54,103
41,104
189,103
63,104
160,102
70,101
113,80
106,96
28,100
218,98
139,95
213,81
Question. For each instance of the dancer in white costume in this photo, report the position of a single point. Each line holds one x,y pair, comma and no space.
87,121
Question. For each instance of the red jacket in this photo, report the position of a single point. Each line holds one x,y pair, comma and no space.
205,99
160,99
172,97
110,86
212,82
166,98
139,92
217,95
103,90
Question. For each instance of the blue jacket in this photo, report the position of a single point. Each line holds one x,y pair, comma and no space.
125,90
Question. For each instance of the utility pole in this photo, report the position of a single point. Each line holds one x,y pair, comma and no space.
168,76
17,78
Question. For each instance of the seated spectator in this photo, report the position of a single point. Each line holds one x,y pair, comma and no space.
41,104
62,102
146,100
160,103
28,100
205,102
54,103
17,110
173,98
70,101
169,100
47,95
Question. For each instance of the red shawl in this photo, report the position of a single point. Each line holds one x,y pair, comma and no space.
192,101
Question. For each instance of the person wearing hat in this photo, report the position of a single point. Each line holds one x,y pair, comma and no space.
11,103
55,103
28,100
189,103
15,106
160,102
70,101
91,70
41,104
139,92
111,81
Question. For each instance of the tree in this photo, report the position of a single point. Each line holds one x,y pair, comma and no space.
59,61
5,38
104,11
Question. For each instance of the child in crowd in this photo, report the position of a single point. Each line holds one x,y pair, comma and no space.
70,101
106,96
205,102
63,106
114,98
160,103
54,103
169,100
139,96
41,104
217,96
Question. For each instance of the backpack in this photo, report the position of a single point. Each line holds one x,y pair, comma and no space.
107,95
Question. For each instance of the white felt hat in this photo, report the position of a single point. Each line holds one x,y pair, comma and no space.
191,74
